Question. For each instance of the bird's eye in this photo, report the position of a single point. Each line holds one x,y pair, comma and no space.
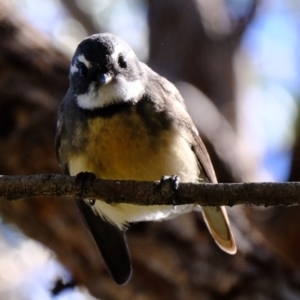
83,71
122,62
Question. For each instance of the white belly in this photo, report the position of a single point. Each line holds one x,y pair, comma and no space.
121,214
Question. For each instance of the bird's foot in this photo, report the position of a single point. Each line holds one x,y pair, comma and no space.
168,185
85,180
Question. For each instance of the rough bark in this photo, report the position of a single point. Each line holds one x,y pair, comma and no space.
152,193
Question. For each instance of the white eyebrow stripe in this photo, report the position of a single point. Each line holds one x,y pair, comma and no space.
73,69
82,59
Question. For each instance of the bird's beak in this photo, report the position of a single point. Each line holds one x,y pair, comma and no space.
104,78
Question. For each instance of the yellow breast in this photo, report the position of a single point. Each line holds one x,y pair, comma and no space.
123,147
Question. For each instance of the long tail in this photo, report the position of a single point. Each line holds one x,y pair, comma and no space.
217,222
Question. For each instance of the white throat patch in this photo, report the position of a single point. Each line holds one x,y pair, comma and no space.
116,91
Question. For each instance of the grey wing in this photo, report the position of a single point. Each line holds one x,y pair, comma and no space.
109,239
215,218
203,158
58,144
175,106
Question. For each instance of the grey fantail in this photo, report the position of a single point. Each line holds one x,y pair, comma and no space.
122,121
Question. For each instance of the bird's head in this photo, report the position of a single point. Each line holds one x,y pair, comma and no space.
105,71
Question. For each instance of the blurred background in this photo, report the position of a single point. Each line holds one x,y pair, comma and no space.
237,64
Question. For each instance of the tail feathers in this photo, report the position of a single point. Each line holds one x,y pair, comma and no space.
111,242
217,222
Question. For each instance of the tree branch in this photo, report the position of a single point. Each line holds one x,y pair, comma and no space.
153,193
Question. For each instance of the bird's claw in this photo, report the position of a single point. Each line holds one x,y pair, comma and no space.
170,184
85,180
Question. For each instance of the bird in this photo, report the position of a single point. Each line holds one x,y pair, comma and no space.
120,120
